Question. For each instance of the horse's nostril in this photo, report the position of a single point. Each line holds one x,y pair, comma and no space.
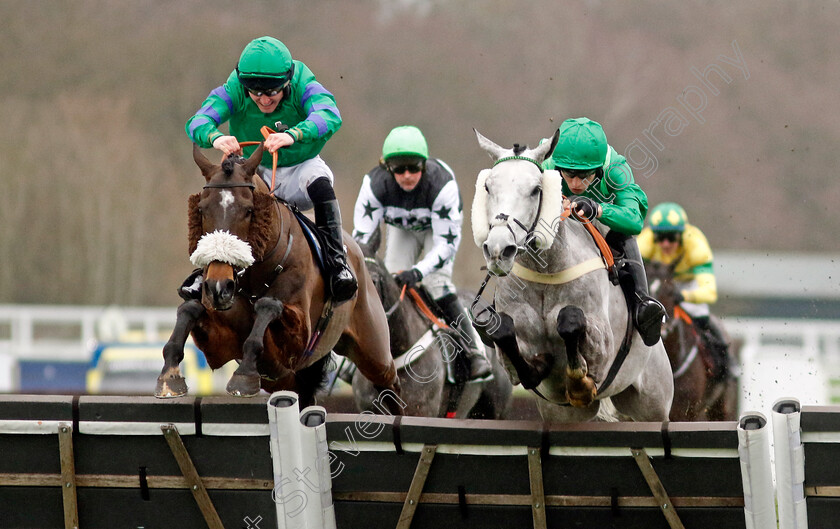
509,252
486,250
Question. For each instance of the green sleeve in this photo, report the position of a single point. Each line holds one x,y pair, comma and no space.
203,127
623,203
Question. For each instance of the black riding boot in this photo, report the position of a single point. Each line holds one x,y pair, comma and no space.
457,319
191,287
719,349
648,313
342,282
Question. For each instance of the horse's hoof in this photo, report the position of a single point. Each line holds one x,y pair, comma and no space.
583,393
170,387
243,385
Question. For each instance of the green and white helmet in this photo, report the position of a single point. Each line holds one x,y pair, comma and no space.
405,141
668,216
582,145
265,64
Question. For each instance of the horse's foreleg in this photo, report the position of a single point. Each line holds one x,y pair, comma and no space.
580,387
245,381
170,382
530,373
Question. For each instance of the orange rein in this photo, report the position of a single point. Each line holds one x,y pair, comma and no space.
680,313
418,300
266,131
596,236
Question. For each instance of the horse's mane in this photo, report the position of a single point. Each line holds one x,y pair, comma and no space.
266,213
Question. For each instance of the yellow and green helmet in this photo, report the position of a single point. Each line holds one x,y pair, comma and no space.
668,216
405,141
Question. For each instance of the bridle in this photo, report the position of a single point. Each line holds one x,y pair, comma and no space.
503,217
277,269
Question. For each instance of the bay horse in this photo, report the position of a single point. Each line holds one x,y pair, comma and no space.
698,396
262,301
559,321
429,385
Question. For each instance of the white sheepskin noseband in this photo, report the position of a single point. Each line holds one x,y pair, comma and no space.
478,217
222,246
551,211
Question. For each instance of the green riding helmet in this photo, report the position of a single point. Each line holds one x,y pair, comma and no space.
265,64
405,141
668,216
582,145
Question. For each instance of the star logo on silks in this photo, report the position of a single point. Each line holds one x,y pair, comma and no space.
443,212
441,263
450,237
369,209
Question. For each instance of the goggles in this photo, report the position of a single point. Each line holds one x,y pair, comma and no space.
270,92
670,236
411,168
583,175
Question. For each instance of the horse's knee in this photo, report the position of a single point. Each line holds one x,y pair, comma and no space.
505,334
269,307
571,322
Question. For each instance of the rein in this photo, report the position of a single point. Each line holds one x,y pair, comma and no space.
266,132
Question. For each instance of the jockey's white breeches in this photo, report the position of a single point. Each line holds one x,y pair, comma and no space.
404,249
695,310
291,182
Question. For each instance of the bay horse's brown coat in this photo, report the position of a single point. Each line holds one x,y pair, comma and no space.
265,319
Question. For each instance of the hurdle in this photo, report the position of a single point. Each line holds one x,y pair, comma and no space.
101,462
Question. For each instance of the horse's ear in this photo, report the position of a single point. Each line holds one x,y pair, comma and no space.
254,160
495,151
207,167
370,248
546,148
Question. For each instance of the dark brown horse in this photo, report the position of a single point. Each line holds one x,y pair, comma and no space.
698,396
263,295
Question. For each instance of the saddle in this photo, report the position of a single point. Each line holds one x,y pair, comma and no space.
317,241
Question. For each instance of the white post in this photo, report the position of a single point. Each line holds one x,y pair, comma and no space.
320,512
756,475
284,430
790,464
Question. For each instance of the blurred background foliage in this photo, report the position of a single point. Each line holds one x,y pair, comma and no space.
96,167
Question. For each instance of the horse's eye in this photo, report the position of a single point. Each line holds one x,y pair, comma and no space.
536,191
487,189
249,212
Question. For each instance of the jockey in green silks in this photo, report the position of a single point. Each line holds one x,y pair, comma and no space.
268,88
598,184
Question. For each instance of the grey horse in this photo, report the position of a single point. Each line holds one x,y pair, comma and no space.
559,322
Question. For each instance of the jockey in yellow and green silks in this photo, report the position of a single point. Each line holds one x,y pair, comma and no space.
671,240
269,88
598,183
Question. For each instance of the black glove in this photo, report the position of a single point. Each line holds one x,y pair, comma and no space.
585,204
678,297
409,278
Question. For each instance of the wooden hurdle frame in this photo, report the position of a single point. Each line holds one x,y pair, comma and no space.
94,462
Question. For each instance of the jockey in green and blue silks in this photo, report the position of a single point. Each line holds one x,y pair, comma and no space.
269,88
598,183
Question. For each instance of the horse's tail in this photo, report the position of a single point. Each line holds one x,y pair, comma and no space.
607,411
